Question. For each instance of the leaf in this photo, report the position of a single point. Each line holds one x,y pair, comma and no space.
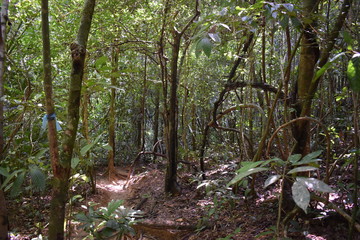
215,37
81,217
353,72
38,178
315,184
296,22
115,74
322,70
74,162
87,147
248,172
225,26
307,161
100,61
284,22
288,6
9,178
4,172
294,158
312,155
309,158
302,169
16,187
112,224
300,195
272,179
113,205
205,45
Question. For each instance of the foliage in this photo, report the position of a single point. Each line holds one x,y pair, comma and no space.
14,180
353,72
106,222
297,164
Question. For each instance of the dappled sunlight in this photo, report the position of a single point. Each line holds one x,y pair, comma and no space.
113,186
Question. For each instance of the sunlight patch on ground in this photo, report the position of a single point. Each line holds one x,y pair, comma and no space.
114,186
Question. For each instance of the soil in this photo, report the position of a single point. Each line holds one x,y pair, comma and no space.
209,211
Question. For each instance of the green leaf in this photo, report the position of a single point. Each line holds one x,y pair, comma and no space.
322,70
300,195
74,162
100,61
81,217
16,187
294,158
4,172
296,22
353,72
246,165
272,179
113,205
9,178
284,22
205,45
347,37
312,155
246,173
112,224
307,161
115,74
38,178
87,147
302,169
315,184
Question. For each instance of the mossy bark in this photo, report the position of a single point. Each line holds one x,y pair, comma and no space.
62,169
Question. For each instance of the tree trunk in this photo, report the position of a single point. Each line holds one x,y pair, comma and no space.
171,185
61,169
112,122
309,55
4,224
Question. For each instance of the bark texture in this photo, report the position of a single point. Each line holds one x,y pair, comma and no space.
63,169
4,224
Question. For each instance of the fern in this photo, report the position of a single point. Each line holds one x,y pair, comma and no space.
16,187
38,178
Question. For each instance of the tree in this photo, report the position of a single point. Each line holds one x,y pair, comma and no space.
309,79
62,166
171,107
4,224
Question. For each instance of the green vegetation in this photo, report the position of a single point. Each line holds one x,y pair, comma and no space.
246,100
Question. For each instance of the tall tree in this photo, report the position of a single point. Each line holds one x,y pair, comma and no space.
62,168
172,111
311,57
112,112
4,224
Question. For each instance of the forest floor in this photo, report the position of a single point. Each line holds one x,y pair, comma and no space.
208,212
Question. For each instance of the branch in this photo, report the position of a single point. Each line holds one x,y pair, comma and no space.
337,209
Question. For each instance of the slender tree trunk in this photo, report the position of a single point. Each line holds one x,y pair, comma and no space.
171,185
156,116
90,170
307,83
172,141
143,108
112,121
4,224
309,55
61,170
